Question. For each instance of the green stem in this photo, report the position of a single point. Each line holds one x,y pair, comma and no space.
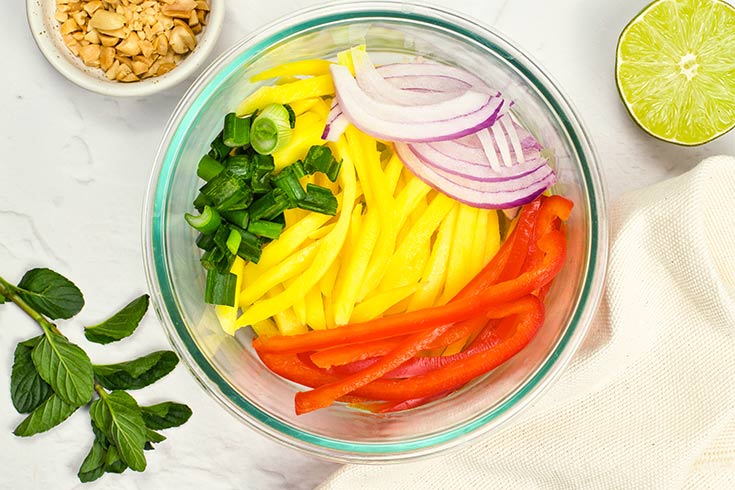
100,390
9,292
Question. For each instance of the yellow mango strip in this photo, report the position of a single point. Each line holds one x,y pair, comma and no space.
454,348
366,160
295,264
329,248
299,305
313,67
293,216
306,133
328,282
435,272
492,237
322,232
321,107
285,80
353,270
266,328
300,106
285,320
393,172
285,94
376,305
329,313
479,236
382,201
228,314
410,197
459,257
291,239
315,309
344,58
405,266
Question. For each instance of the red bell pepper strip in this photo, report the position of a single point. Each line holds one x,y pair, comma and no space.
523,232
325,395
530,316
553,246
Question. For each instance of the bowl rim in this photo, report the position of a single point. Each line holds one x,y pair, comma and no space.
50,50
207,375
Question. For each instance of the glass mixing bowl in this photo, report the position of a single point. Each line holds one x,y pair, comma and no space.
227,366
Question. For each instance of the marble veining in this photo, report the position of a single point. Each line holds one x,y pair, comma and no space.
73,173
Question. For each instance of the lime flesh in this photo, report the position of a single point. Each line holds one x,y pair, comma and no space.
675,69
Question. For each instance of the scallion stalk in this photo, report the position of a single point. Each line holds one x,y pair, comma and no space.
237,131
267,229
270,205
271,129
239,218
208,168
289,183
219,150
250,248
241,166
207,222
220,288
233,242
227,192
319,199
320,158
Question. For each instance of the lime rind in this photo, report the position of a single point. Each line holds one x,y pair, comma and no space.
675,70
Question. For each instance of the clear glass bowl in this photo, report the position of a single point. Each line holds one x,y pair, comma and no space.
227,367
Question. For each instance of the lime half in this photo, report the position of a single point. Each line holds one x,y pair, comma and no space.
675,69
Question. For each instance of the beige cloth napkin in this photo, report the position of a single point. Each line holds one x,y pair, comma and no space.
649,400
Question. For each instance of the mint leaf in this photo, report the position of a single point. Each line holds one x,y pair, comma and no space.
113,462
66,367
137,373
27,389
49,414
118,416
121,324
153,436
50,293
2,299
93,465
165,415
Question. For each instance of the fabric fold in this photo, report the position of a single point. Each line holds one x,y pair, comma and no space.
648,402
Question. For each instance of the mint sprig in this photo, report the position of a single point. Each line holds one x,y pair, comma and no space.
52,378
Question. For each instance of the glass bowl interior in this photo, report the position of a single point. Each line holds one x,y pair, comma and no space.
227,367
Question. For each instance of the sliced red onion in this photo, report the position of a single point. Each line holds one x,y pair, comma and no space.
379,88
514,191
336,123
432,76
444,120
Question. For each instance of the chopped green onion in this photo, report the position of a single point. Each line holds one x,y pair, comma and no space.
208,168
267,229
233,241
238,218
221,236
298,168
289,183
263,166
217,259
220,288
201,201
319,199
241,166
220,150
227,192
270,205
271,129
320,158
291,116
205,242
206,223
250,248
237,131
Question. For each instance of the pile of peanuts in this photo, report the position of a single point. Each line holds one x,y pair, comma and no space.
131,40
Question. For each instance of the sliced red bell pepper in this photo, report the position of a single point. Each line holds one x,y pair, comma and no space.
530,316
523,232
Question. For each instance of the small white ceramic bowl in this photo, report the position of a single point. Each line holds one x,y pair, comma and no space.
45,30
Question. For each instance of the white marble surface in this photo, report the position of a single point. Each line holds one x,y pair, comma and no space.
73,172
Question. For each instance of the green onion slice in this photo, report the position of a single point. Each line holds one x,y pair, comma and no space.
271,129
207,222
